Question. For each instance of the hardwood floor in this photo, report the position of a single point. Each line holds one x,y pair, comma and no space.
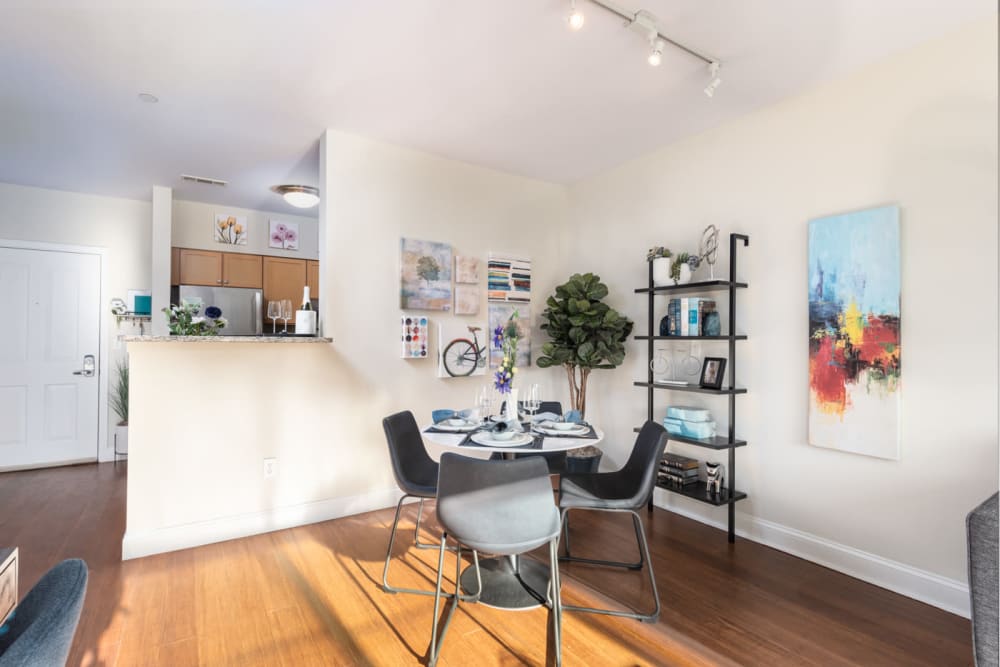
310,595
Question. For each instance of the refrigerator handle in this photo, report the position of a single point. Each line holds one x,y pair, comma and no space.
258,313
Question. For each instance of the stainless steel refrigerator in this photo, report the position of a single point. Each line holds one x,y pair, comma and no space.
242,308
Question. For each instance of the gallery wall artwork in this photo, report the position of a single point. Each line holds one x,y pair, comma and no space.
425,275
466,299
508,279
230,229
467,269
499,315
414,336
461,352
284,235
854,332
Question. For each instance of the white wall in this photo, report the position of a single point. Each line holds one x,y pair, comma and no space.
920,130
196,473
192,227
120,225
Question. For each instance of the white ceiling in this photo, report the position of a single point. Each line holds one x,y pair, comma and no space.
246,87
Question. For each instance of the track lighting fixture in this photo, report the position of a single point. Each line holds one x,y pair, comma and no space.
655,51
713,72
575,18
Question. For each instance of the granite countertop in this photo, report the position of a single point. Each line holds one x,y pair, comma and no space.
225,339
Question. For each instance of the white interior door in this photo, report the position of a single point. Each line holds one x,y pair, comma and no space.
49,380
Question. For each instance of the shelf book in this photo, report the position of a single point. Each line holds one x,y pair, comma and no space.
686,315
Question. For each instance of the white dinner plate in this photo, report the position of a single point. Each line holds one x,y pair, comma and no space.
579,430
468,426
486,438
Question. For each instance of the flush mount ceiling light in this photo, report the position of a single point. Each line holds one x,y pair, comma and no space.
148,98
647,25
299,196
575,18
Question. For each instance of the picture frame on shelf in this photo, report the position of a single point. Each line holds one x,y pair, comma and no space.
713,370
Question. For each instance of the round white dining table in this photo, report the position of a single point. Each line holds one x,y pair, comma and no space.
509,582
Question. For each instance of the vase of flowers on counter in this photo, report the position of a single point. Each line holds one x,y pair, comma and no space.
184,320
505,339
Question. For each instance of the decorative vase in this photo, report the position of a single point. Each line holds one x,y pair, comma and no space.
685,276
661,271
121,439
511,410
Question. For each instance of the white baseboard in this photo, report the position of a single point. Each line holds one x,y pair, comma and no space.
137,545
942,592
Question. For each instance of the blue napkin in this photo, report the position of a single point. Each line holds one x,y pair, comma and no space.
573,417
438,416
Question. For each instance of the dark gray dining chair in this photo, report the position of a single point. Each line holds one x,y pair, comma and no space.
40,633
556,461
500,507
416,475
625,490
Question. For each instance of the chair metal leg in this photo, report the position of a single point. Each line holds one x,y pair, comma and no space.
433,653
644,551
416,530
554,585
388,559
566,557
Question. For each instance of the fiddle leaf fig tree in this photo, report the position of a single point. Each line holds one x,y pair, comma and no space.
584,333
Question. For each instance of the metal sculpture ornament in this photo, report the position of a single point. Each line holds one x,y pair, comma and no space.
708,249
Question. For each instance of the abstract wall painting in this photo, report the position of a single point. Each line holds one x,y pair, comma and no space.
467,269
462,353
283,235
230,229
414,336
508,279
499,315
466,299
854,332
424,275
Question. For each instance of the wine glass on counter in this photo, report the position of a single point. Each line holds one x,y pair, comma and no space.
286,312
274,314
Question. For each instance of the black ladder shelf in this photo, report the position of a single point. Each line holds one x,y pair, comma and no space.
729,496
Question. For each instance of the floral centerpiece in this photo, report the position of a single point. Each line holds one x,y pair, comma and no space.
505,339
183,320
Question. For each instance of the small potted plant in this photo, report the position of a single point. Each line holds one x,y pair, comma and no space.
660,257
119,404
680,270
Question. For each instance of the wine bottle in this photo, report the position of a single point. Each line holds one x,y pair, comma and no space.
306,303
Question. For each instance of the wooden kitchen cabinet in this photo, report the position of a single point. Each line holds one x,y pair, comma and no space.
312,278
218,269
284,279
200,267
239,270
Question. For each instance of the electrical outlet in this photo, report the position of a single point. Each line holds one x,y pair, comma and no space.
270,467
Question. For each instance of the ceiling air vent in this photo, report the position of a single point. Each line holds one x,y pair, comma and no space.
203,179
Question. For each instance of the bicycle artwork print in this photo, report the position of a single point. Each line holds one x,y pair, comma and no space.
462,349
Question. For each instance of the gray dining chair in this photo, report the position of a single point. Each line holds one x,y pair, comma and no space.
500,507
41,631
556,461
625,490
416,475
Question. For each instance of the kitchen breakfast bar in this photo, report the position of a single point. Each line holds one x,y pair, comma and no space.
237,435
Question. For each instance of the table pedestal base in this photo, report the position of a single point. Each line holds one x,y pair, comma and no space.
509,582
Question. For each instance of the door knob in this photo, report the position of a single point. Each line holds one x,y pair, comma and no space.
88,366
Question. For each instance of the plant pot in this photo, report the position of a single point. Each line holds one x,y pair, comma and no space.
121,439
685,276
661,272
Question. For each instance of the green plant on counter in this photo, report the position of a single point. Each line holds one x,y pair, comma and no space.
585,333
184,320
119,395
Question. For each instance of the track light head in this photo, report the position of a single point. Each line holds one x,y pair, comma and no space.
575,18
713,72
655,51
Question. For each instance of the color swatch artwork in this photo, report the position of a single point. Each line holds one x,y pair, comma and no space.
509,279
467,269
414,336
854,343
458,354
466,299
424,275
500,314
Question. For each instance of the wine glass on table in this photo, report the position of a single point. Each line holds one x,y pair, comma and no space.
274,314
533,401
286,311
484,401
